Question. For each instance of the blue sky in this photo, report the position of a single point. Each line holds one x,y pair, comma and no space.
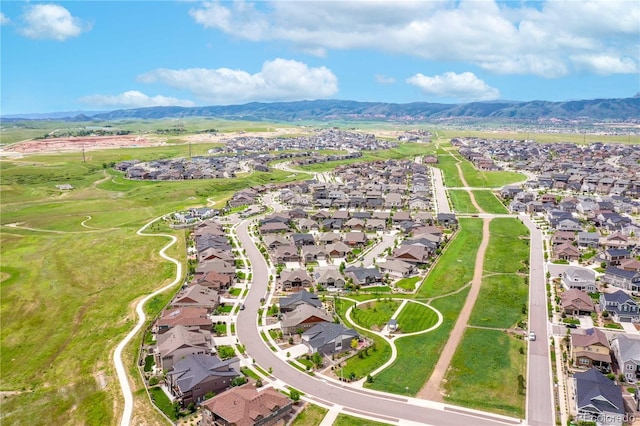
92,55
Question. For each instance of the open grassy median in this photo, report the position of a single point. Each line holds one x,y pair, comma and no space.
311,415
502,301
447,163
485,370
461,201
489,202
454,268
347,420
374,314
416,317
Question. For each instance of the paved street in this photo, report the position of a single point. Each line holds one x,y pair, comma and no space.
540,407
390,408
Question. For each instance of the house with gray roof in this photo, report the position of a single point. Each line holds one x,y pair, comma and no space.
363,276
579,278
329,338
588,239
192,377
329,277
295,280
289,303
620,306
626,280
626,350
598,399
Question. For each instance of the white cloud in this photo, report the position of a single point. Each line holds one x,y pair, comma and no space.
511,38
134,99
4,19
605,64
51,21
278,80
383,79
465,86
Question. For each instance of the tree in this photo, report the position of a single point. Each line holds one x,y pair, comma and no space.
317,359
209,395
294,395
354,343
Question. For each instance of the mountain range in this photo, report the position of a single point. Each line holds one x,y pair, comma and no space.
626,109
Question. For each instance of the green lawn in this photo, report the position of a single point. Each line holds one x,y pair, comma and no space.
416,317
503,295
461,201
488,179
163,402
484,373
346,420
488,202
455,266
417,355
375,314
576,138
407,283
311,415
447,163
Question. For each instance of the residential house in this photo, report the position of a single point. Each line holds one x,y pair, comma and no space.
313,253
197,296
219,266
415,254
576,302
338,250
375,225
329,277
329,338
566,251
215,280
363,276
563,237
569,225
590,348
274,241
193,376
626,350
626,280
179,342
598,399
287,254
397,268
302,297
300,240
620,306
630,265
588,239
295,280
192,318
355,224
354,239
614,256
246,405
302,318
330,238
582,279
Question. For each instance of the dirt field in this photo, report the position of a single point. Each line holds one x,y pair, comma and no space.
88,143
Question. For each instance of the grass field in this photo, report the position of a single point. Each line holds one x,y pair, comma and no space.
312,415
374,314
539,137
489,202
416,317
484,372
67,294
503,293
347,420
455,267
488,179
447,163
417,355
461,201
407,283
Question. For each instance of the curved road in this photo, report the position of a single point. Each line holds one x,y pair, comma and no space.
389,408
117,356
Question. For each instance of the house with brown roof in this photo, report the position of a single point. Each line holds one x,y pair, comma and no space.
286,254
355,239
566,251
246,406
303,317
295,280
179,342
563,237
590,348
576,302
191,318
197,296
215,280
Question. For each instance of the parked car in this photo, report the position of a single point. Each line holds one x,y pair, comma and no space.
571,325
242,307
532,336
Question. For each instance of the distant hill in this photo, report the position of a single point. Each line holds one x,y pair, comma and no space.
584,110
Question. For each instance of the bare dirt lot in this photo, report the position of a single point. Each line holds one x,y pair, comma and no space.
88,143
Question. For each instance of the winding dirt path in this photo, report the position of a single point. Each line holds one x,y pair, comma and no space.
466,185
117,356
431,390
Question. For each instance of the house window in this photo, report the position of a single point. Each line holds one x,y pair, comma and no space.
630,367
584,361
